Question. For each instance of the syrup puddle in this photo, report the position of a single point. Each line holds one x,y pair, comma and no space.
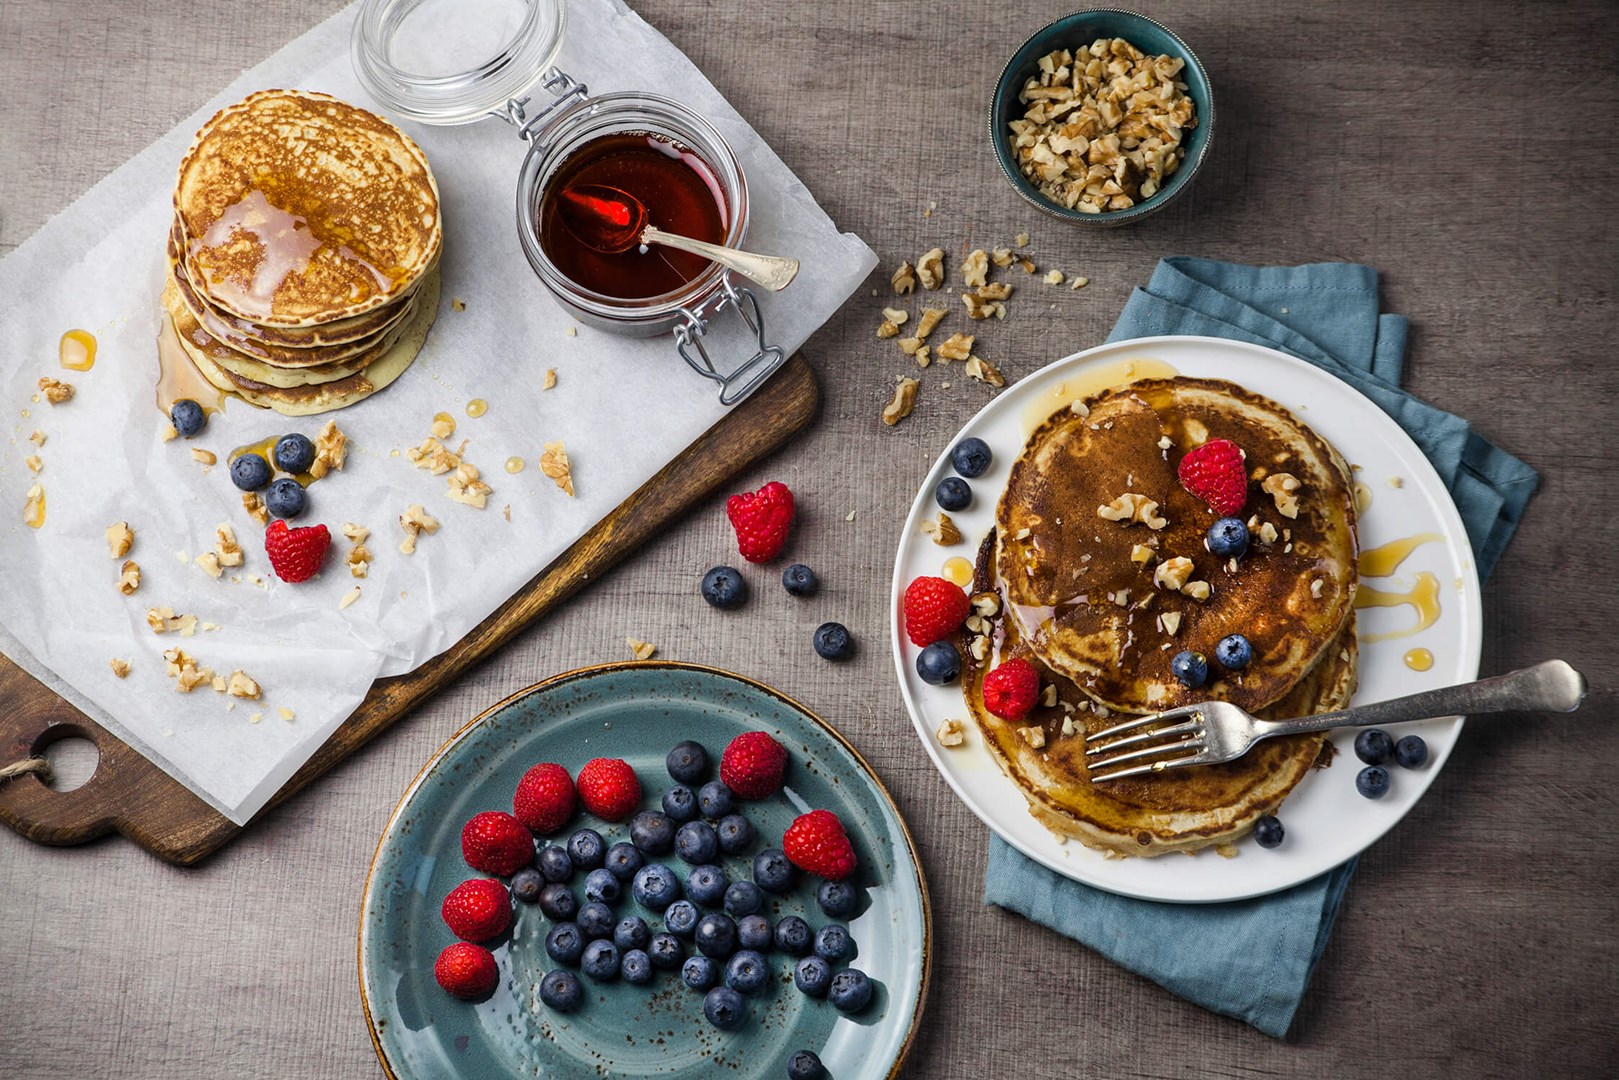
78,350
957,571
1418,659
1089,383
266,450
285,248
178,378
477,407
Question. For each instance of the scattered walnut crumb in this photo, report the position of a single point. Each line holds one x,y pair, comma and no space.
37,437
255,718
979,308
359,556
182,668
896,316
928,320
1121,598
555,464
1141,553
1315,588
1033,735
930,269
163,620
33,462
57,393
1055,277
1133,507
910,346
550,379
206,457
955,347
415,521
1028,266
506,511
1021,240
1169,622
1283,487
1001,257
942,531
120,538
210,564
129,578
1198,590
887,329
1396,482
169,432
1079,283
924,357
995,290
240,686
458,304
466,487
985,371
286,714
255,507
331,450
904,401
975,269
641,650
432,455
349,598
951,733
1172,573
903,279
119,667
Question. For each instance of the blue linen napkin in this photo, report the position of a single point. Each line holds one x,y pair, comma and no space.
1252,959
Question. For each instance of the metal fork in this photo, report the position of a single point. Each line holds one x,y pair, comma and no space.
1214,731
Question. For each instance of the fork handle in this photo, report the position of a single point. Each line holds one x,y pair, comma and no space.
1551,686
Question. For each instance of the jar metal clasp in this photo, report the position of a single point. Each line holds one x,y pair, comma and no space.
565,90
740,382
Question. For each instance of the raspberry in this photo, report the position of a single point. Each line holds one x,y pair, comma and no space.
934,609
1011,690
609,788
295,554
477,909
761,519
817,843
752,765
545,798
468,971
1216,473
496,843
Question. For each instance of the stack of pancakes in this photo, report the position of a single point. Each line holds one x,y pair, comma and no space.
1078,600
304,252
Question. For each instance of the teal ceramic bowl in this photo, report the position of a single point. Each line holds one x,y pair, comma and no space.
636,712
1082,28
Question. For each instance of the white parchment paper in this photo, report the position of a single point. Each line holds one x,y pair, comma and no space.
624,408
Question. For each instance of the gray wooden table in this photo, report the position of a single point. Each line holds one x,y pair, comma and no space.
1469,154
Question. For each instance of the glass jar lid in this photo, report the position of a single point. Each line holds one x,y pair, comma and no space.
454,61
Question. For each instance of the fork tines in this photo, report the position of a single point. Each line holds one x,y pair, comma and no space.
1153,729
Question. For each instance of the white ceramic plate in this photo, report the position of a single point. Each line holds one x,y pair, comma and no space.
1326,820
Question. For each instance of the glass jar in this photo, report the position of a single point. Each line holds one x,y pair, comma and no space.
503,57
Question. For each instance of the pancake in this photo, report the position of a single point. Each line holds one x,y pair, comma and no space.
298,210
1091,612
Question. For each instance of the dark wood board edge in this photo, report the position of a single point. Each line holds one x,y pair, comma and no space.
130,795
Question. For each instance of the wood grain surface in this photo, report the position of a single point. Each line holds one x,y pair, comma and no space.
1468,151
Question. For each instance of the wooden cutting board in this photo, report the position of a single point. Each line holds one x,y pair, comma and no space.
130,795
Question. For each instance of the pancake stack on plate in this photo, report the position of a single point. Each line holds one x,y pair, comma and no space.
1082,597
303,259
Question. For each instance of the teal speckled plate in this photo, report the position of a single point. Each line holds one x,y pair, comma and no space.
636,712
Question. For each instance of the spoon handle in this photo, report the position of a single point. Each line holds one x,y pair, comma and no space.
774,272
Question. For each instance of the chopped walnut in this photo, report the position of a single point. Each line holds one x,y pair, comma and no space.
987,604
1020,240
331,449
465,487
997,290
950,733
1133,507
904,401
415,521
57,393
442,427
458,304
206,457
359,556
1035,736
170,433
977,307
984,371
910,346
896,316
550,380
942,531
239,685
887,329
930,269
434,456
1055,277
119,667
210,564
924,357
979,647
1315,588
1198,590
129,577
348,598
1048,696
1267,533
1028,266
226,547
555,464
1079,283
903,279
1001,257
183,669
955,347
1141,553
975,269
928,320
641,650
1169,622
163,620
37,437
1171,574
1121,598
33,462
1283,487
120,538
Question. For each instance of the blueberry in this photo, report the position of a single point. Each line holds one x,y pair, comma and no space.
793,936
725,1008
832,943
742,898
716,936
596,920
622,861
555,864
286,498
294,453
601,885
666,951
832,641
696,842
804,1065
653,832
953,493
655,887
772,872
754,932
587,849
680,918
687,762
560,990
565,944
939,663
526,884
632,932
250,472
187,417
971,458
837,899
680,804
747,972
706,885
558,902
600,960
723,587
850,990
812,976
1268,832
699,972
1228,538
715,800
799,580
636,967
1191,668
1234,652
1372,781
1373,746
1411,752
735,834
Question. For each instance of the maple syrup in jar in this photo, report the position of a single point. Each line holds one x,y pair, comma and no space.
583,211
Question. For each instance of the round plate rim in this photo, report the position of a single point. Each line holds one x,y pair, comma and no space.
615,667
1471,645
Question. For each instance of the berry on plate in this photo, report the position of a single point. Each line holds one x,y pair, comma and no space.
805,1065
761,519
699,972
833,943
714,800
832,641
752,765
971,458
587,849
560,990
632,932
687,762
656,888
601,887
564,943
466,970
1373,746
1191,668
545,798
837,899
743,898
793,936
735,833
555,865
939,663
295,554
716,936
558,902
609,788
636,966
477,909
812,976
1011,689
817,843
622,860
697,843
850,990
725,1008
934,609
747,972
294,453
1372,781
653,831
724,588
1216,473
1268,832
772,872
596,921
680,804
1411,752
526,884
496,843
600,960
953,494
799,580
755,932
187,417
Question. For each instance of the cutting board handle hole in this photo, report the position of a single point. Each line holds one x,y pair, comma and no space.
73,756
